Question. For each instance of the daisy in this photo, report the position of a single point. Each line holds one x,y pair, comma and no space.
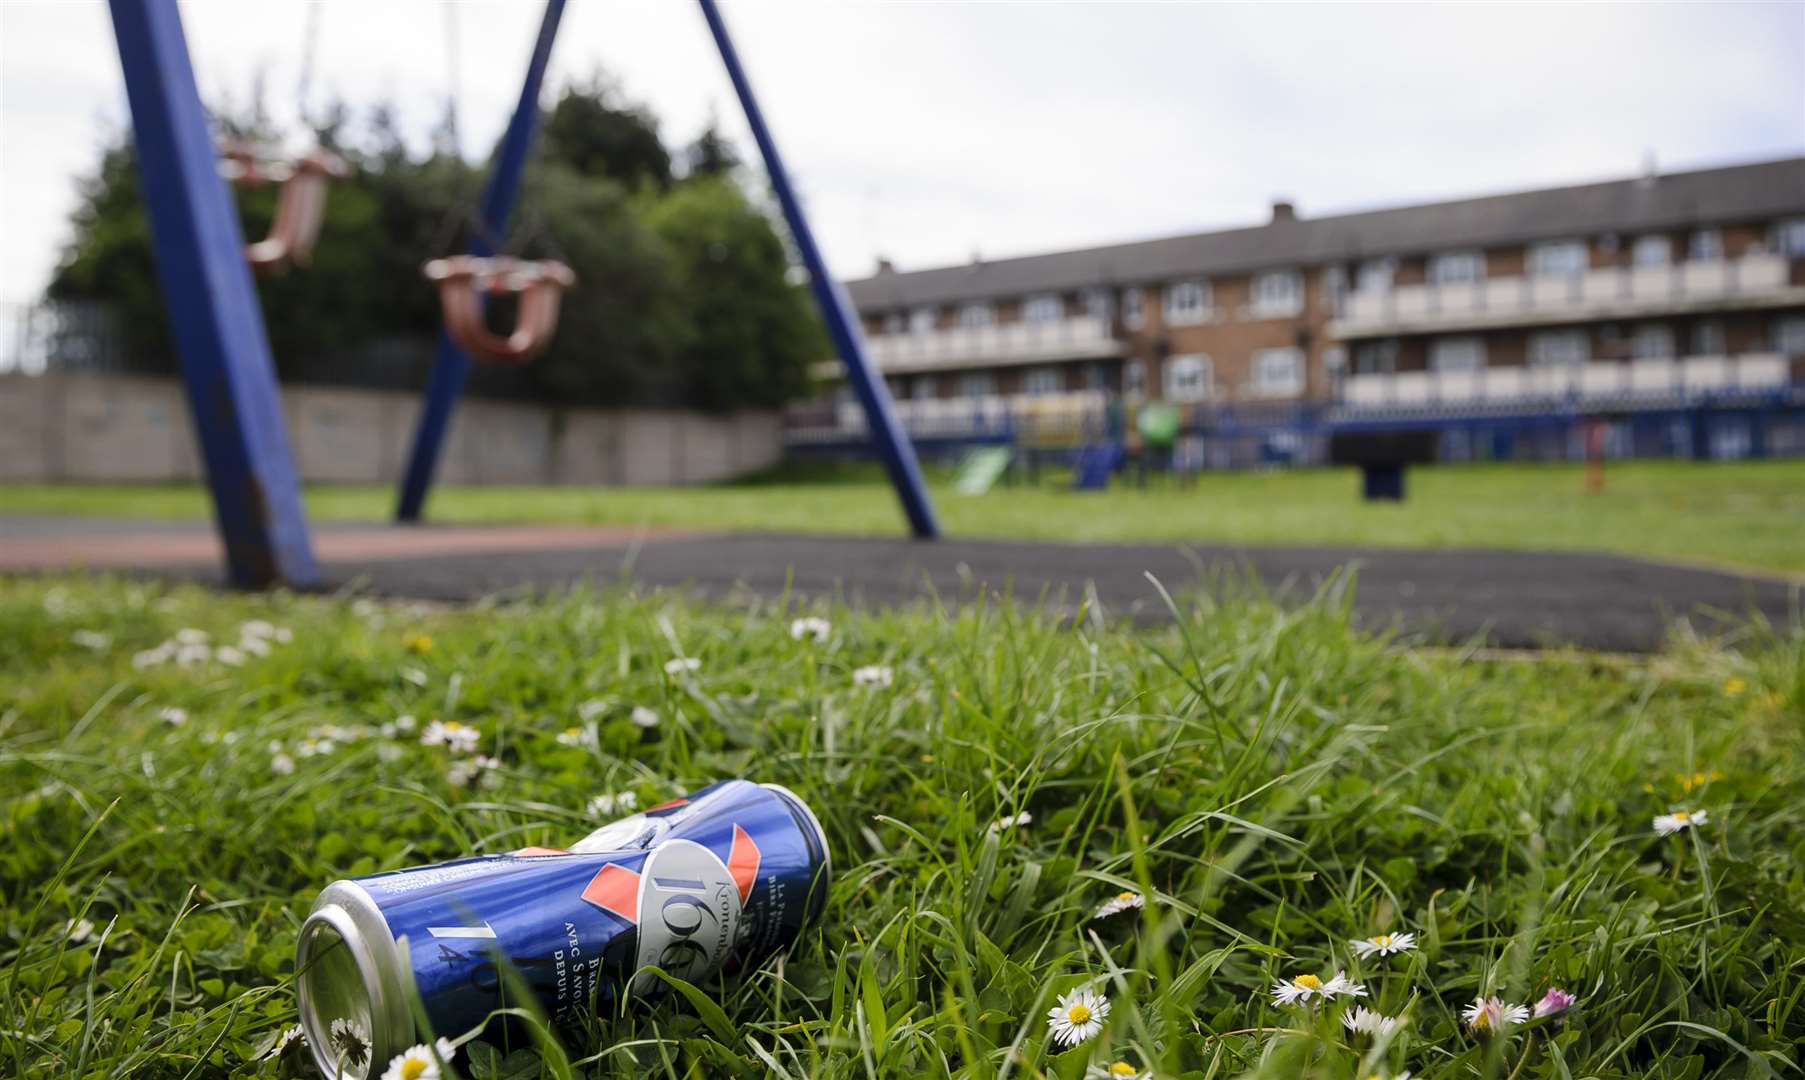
1490,1016
1126,900
644,717
607,805
875,675
589,710
466,770
419,1062
571,736
405,723
350,1042
256,628
91,639
254,646
192,654
679,664
1078,1016
1117,1070
1555,1002
281,764
1023,818
414,675
1363,1021
459,738
810,627
1384,945
78,931
1304,987
173,715
289,1035
1668,824
191,636
228,655
152,657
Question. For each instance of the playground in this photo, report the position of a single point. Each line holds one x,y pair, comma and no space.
1125,767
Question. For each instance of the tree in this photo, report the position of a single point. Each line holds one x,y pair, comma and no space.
753,333
588,131
710,154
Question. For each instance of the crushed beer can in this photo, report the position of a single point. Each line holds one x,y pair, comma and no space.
718,880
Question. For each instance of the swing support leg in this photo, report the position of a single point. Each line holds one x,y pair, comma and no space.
892,442
452,368
225,355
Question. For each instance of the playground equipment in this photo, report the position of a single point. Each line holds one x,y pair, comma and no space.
226,365
300,208
464,280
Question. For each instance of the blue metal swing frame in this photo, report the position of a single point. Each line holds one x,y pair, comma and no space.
226,363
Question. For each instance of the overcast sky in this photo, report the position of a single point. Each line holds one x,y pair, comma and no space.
929,132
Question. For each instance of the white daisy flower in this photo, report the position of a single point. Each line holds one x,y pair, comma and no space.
810,627
283,635
288,1035
191,636
875,675
1116,1070
1078,1016
1023,818
1668,824
350,1042
91,639
609,805
459,738
173,715
1384,945
255,646
187,655
419,1062
679,664
644,717
1489,1016
152,657
281,764
1304,987
256,628
414,675
583,736
1364,1021
315,747
591,709
466,770
1126,900
228,655
405,722
78,930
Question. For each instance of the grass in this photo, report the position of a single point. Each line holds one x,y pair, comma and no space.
1272,782
1748,514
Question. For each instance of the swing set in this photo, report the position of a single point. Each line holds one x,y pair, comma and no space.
205,268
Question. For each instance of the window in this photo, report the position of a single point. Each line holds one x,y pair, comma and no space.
1188,378
1559,348
1561,258
1097,303
926,388
1706,245
1134,378
1278,292
1278,372
1457,268
1652,251
1652,341
1789,237
1789,335
1375,357
893,323
1187,302
976,384
922,320
1456,354
1046,307
1041,381
1134,308
1374,275
1708,339
976,315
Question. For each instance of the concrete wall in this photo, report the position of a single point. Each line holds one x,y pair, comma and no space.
136,430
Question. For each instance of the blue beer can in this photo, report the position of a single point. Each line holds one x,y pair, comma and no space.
717,880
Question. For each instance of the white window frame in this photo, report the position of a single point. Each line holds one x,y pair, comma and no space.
1559,348
1190,377
1787,237
1278,293
1705,245
923,319
1457,268
894,323
1650,251
1187,303
1278,372
977,384
1042,382
1789,334
1376,275
1708,339
1134,307
1469,348
1556,258
1096,303
976,315
1043,308
1647,333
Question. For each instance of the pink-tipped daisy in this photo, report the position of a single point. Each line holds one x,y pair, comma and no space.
1383,945
1488,1016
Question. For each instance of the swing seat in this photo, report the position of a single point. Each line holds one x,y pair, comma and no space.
464,279
300,208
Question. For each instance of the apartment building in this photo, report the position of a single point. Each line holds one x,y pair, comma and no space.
1671,284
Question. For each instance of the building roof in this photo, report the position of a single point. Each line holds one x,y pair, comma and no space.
1736,193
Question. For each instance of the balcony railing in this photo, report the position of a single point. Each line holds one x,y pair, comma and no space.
1616,292
1003,344
1688,377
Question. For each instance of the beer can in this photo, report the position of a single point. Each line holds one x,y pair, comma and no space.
718,880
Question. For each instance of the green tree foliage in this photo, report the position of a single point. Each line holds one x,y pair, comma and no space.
682,296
